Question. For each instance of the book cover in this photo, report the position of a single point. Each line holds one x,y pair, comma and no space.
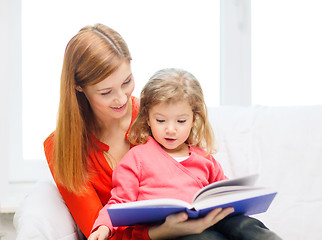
237,193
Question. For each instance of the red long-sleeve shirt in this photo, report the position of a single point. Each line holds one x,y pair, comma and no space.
85,208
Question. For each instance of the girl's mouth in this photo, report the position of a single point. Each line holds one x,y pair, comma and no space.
170,140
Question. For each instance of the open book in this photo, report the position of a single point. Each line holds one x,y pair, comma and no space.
239,193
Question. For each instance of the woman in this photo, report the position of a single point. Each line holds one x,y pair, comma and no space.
95,112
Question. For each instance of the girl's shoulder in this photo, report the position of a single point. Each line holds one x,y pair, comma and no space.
142,150
197,150
201,152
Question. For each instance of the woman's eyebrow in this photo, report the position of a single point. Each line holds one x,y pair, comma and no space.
104,89
128,77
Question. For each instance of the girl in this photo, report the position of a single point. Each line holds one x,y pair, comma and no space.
175,143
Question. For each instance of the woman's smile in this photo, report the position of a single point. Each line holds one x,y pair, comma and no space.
120,109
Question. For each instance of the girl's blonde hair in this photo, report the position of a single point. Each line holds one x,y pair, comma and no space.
169,86
92,55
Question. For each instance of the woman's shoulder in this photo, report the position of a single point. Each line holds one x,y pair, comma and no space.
49,141
135,106
49,148
135,100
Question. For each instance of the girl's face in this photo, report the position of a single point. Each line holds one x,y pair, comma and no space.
171,125
110,98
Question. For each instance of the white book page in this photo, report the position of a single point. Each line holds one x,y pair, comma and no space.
227,198
219,191
242,181
153,203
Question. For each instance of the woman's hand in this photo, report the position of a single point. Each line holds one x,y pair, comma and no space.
102,233
178,224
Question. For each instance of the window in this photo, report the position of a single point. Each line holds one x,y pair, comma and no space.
167,33
286,52
270,54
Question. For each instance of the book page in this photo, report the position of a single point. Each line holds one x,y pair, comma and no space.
242,181
153,203
219,191
216,200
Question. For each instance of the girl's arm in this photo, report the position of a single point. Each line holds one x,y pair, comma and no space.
218,173
125,183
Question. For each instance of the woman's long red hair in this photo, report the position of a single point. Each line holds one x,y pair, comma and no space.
91,56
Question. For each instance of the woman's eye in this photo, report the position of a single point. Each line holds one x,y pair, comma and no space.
127,81
105,93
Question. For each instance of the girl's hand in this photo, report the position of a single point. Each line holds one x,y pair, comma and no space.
178,224
102,233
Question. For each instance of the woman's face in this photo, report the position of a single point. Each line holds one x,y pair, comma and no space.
110,98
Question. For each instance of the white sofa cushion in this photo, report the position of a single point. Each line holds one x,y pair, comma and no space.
283,145
44,215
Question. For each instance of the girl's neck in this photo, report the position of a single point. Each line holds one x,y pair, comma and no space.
181,151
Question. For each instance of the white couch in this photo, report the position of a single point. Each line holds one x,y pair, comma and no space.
282,144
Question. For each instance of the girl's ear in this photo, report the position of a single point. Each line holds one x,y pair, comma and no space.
79,88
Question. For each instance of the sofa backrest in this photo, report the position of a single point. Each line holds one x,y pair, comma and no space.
283,145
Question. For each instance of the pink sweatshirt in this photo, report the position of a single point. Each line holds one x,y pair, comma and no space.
148,172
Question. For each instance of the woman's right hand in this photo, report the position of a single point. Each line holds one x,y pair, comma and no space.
102,233
177,225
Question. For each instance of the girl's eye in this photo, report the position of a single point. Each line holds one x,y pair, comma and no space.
182,121
160,120
105,93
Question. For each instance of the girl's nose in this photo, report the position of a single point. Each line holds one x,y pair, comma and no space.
170,128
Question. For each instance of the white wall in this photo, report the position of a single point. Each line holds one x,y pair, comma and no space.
235,55
10,77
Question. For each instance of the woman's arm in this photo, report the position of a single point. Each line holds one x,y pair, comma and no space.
84,208
175,225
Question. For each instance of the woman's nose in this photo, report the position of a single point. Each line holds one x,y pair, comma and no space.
121,96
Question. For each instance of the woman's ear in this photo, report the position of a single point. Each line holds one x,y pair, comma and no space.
79,88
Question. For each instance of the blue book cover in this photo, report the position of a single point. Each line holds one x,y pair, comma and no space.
237,193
